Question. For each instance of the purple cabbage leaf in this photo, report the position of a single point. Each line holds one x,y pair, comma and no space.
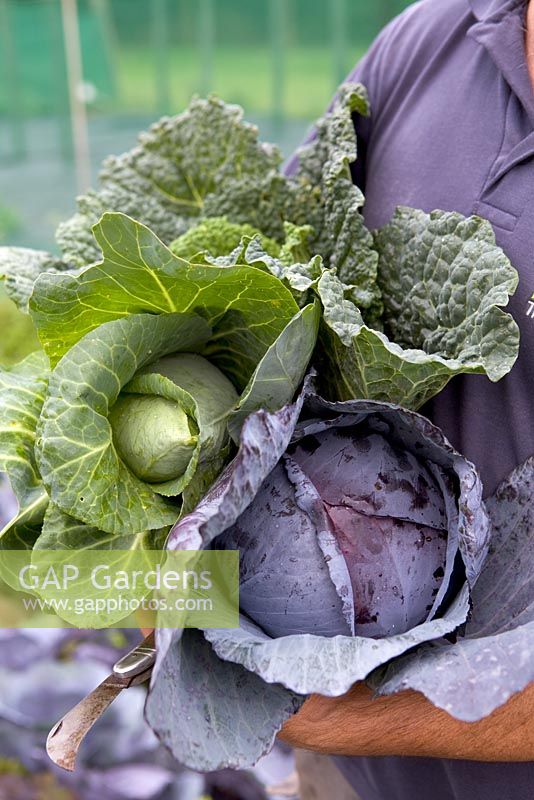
479,672
362,533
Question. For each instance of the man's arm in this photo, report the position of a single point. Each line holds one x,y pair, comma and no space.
407,724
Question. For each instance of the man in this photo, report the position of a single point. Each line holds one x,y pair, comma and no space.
451,85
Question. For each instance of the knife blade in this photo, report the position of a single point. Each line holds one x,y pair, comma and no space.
66,736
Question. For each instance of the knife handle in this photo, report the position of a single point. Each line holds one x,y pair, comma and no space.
138,660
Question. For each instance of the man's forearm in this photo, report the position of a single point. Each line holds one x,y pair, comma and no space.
408,725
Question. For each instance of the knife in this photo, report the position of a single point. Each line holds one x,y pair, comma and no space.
66,736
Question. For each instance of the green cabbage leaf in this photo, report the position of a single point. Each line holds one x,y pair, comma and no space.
203,162
151,363
444,282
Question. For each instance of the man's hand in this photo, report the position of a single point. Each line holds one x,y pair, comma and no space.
407,724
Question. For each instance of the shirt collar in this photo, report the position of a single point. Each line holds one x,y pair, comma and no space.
500,29
486,9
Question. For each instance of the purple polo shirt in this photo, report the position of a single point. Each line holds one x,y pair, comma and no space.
452,127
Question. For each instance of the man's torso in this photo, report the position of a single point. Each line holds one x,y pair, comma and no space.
453,128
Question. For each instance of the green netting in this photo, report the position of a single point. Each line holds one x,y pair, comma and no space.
34,80
150,54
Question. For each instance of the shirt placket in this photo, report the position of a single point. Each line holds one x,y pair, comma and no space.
502,198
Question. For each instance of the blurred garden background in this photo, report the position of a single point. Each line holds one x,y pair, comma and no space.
140,59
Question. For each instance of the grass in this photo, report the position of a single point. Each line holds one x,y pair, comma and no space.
241,75
142,79
9,222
